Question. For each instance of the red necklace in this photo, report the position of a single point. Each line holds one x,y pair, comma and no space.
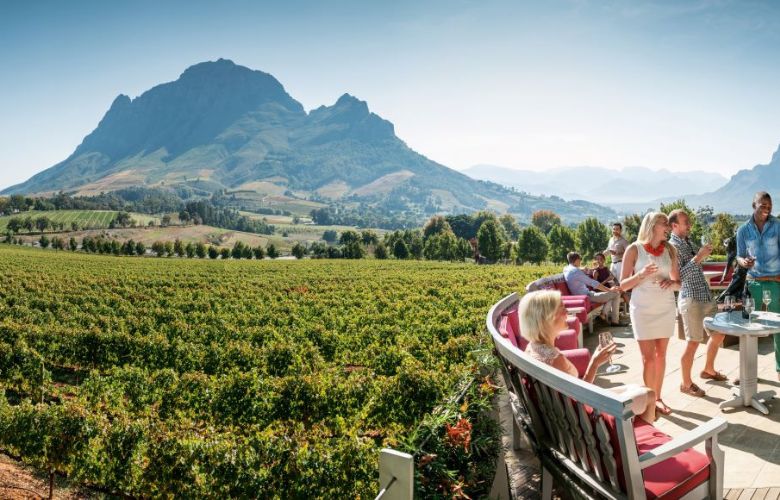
657,251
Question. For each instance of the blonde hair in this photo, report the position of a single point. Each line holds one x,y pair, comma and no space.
645,234
537,311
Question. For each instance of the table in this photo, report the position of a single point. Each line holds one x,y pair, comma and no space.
712,274
764,324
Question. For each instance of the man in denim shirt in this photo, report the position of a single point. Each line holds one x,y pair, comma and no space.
579,284
758,250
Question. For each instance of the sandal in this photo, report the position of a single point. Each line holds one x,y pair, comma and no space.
662,407
717,376
692,390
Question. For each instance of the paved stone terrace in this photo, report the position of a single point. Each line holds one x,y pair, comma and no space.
751,441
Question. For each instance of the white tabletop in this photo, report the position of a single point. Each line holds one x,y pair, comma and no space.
712,274
763,324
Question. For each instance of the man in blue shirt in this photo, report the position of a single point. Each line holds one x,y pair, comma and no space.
580,283
758,250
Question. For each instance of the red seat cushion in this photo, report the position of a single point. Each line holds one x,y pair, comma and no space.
676,476
506,331
670,479
579,358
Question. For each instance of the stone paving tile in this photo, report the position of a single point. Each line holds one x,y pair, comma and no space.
752,440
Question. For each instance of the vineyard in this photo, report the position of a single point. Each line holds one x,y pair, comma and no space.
173,377
85,219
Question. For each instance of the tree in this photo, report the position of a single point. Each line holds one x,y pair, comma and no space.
400,250
511,227
259,252
44,241
166,220
178,247
416,246
72,244
442,246
14,225
200,250
189,249
272,252
158,247
298,250
330,236
696,226
122,219
592,237
74,226
140,248
238,250
631,225
169,248
723,227
380,251
41,223
369,237
490,240
545,220
532,245
348,237
436,225
353,250
213,252
561,240
224,253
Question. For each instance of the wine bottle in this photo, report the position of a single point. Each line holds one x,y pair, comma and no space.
746,294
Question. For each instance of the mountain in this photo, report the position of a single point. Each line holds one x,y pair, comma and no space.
737,195
602,185
222,127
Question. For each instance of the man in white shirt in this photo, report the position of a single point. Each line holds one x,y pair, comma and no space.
616,248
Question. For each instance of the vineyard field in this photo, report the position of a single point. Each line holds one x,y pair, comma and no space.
86,219
201,379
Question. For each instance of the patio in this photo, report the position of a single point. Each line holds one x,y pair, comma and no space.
751,441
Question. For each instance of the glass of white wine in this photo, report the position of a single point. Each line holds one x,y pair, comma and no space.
766,298
749,304
605,339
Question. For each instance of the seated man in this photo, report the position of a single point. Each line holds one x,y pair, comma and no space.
578,283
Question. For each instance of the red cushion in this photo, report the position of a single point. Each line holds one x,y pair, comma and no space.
670,479
506,331
676,476
567,339
514,319
574,324
579,358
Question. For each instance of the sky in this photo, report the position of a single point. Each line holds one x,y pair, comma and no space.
681,85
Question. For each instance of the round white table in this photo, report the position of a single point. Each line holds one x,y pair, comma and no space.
763,324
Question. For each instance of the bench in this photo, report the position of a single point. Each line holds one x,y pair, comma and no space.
580,305
569,341
714,281
588,439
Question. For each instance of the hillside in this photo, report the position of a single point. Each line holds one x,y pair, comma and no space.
223,127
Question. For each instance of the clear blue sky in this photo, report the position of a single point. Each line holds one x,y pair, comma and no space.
684,85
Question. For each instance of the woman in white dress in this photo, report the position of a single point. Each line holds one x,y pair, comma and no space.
650,271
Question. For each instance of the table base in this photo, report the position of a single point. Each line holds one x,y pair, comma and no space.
757,401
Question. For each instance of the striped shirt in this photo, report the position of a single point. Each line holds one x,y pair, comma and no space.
694,284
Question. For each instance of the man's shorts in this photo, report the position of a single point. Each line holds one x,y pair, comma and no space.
692,314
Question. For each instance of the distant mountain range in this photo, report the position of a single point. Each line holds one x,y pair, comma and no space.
602,185
225,127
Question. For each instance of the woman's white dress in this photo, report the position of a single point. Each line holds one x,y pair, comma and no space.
652,309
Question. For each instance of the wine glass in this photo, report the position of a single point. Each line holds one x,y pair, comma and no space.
749,304
766,297
705,239
728,304
605,339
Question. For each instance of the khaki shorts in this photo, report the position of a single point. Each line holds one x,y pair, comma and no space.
692,312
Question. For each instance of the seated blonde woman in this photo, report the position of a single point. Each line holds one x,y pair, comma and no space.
542,316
